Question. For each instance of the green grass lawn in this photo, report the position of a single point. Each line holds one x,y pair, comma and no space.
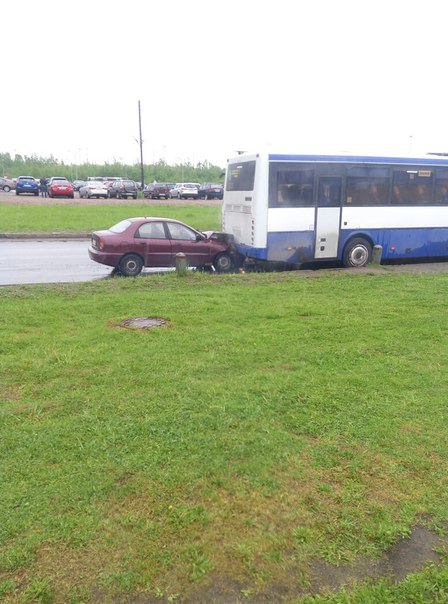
17,218
274,421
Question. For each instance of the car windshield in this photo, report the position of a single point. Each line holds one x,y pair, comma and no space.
61,182
120,227
94,183
128,183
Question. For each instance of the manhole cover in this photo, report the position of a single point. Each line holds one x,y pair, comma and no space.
143,323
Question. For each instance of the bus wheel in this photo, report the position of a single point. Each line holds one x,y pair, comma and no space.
131,265
357,252
223,263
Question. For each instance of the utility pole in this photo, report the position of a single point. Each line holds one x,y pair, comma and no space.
142,174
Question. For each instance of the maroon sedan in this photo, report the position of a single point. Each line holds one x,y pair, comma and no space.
154,242
61,188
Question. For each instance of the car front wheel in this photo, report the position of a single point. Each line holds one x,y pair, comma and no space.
131,265
223,263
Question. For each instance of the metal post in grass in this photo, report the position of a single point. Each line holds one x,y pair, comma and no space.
181,263
142,170
377,252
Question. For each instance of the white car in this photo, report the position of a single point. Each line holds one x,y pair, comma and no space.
94,188
184,190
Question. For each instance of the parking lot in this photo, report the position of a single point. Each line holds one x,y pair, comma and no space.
11,197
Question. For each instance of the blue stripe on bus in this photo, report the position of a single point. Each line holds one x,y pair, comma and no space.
294,247
297,247
361,159
257,253
402,243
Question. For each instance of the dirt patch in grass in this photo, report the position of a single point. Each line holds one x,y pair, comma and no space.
409,555
222,549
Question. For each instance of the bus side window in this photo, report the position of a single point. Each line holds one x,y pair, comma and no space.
365,191
290,187
397,195
286,196
412,187
441,192
329,193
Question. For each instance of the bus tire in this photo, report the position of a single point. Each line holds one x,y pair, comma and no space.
223,263
357,253
131,265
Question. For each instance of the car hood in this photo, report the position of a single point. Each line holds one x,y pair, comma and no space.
218,236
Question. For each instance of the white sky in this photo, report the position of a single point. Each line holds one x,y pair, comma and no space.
214,76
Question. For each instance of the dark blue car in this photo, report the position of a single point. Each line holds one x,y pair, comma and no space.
27,184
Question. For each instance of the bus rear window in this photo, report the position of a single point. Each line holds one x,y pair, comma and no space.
241,176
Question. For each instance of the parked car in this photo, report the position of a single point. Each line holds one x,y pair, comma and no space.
94,189
53,179
27,184
211,191
184,190
77,184
59,187
6,184
123,188
157,190
154,242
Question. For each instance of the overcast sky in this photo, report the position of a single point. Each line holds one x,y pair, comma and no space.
214,76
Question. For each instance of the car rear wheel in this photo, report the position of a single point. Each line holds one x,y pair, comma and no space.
223,263
131,265
6,189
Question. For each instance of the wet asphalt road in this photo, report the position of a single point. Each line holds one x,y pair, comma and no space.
28,261
47,261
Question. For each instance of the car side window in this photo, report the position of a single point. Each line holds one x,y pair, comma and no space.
151,230
179,231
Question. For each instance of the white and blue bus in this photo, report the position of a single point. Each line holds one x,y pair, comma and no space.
296,209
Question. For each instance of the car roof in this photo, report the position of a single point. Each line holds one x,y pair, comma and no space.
144,218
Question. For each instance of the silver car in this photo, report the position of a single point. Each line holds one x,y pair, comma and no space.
6,184
185,190
94,188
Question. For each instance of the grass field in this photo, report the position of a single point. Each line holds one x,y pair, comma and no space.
22,218
275,424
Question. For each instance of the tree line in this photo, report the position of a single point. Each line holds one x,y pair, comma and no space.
44,167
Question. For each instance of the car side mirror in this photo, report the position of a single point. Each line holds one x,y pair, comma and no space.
200,237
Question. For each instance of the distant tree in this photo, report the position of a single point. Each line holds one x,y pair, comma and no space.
39,167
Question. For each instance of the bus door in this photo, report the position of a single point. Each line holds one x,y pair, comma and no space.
328,217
